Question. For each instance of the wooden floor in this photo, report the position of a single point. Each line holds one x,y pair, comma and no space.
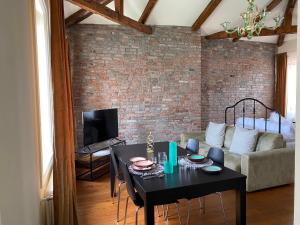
269,207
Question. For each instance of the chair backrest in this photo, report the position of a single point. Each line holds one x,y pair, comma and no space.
115,163
128,180
216,155
192,145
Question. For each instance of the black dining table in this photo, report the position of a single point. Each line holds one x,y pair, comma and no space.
184,183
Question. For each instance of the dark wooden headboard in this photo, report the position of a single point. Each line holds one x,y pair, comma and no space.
255,102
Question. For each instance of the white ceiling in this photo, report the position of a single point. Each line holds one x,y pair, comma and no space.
184,13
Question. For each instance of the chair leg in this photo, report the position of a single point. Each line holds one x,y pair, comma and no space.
200,205
222,205
189,209
119,196
136,215
178,212
125,216
114,192
203,205
157,207
165,212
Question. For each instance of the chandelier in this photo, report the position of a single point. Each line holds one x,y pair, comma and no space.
253,22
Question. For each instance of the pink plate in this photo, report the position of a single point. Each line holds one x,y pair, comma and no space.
144,163
141,168
136,159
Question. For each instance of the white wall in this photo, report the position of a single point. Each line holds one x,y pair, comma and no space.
19,180
297,157
289,46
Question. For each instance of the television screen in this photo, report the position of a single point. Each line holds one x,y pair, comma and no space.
99,125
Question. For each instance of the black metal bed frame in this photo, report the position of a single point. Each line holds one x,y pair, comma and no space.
254,112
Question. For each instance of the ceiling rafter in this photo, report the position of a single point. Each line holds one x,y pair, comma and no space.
119,6
147,11
82,14
212,5
110,14
264,32
272,5
288,16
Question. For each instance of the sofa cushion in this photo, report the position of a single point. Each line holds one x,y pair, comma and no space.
244,141
232,161
215,134
228,136
268,141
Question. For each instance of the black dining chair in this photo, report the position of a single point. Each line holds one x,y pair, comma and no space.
217,156
120,179
192,145
135,197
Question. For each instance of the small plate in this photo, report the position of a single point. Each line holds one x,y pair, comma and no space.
137,168
136,159
143,163
212,169
196,158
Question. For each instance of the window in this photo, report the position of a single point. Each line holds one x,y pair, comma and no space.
291,87
45,89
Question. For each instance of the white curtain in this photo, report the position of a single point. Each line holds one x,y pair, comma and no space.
42,22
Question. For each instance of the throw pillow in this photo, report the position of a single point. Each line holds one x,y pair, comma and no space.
243,140
215,134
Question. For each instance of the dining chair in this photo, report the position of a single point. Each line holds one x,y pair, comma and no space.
120,179
192,145
217,156
135,197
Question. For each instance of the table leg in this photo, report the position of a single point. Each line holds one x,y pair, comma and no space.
149,214
112,179
241,205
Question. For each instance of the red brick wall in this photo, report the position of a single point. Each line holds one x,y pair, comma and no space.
154,80
166,82
232,71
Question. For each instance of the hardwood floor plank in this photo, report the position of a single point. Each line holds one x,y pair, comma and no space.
272,206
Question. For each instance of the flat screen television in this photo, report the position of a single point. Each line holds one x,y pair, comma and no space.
99,125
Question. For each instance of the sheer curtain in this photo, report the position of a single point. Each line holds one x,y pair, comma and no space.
42,25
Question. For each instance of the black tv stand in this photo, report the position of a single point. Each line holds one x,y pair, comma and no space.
95,157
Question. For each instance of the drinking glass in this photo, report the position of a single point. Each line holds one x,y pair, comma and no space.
162,156
154,159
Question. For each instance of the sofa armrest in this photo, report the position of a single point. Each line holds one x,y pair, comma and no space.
185,136
266,169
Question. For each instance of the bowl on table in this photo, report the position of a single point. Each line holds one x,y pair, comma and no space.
195,158
212,169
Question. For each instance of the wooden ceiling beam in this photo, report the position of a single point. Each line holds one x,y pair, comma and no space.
212,5
119,6
108,13
272,5
288,16
81,15
77,17
147,11
264,32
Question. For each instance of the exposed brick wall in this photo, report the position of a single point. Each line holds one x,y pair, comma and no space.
232,71
168,82
154,80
